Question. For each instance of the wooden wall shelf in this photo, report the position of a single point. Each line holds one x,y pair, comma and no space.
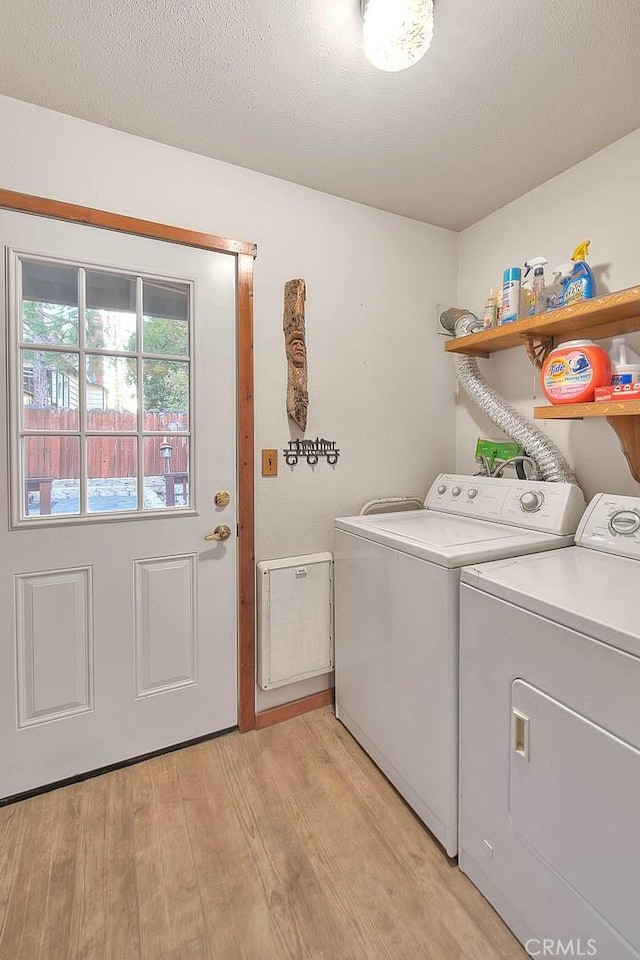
609,316
577,411
623,416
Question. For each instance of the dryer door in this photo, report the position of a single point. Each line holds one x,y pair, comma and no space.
574,790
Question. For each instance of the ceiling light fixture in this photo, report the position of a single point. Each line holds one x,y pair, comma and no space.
397,33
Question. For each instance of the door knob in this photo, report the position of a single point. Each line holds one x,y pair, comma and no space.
222,532
221,498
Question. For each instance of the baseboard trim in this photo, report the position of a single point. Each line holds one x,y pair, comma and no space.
266,718
90,774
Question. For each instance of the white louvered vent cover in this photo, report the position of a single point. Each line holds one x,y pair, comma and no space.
295,619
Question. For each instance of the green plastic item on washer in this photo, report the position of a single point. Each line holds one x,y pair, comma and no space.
493,450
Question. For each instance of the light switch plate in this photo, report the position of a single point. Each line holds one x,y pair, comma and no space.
269,463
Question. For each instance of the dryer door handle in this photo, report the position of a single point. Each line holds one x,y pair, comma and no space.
520,733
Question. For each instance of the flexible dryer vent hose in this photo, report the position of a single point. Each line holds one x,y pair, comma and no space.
533,441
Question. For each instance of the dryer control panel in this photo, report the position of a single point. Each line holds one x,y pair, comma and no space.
612,524
532,504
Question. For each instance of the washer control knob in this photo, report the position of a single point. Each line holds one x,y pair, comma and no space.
531,501
456,491
625,522
472,493
442,488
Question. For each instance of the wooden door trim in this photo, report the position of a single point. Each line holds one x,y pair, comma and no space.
245,254
246,518
58,210
266,718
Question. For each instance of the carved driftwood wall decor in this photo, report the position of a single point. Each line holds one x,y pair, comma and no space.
295,339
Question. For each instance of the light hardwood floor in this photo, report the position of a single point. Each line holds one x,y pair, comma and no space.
282,844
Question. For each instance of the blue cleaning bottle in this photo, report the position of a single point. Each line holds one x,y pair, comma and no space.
579,284
511,295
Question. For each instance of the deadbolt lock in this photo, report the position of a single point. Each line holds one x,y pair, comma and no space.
222,532
222,498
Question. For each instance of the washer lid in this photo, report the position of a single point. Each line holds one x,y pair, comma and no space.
448,540
584,590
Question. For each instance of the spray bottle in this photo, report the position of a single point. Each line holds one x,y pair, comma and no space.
576,279
534,300
555,294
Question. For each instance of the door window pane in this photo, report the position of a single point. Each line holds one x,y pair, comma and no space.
171,422
111,312
112,393
166,471
165,321
50,390
165,386
51,472
112,474
98,404
49,304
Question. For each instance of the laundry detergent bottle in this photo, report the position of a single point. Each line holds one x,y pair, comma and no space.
625,363
573,370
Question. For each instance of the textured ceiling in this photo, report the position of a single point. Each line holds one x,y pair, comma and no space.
510,93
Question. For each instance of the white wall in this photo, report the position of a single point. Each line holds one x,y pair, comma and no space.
379,383
599,200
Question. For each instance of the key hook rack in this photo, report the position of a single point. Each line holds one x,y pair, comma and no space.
312,450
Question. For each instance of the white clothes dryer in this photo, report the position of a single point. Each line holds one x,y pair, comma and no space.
396,580
550,738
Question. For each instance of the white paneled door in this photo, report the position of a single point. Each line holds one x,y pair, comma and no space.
118,626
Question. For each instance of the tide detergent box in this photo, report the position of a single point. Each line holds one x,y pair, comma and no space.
619,391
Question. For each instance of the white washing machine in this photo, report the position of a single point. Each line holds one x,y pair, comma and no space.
396,580
550,738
